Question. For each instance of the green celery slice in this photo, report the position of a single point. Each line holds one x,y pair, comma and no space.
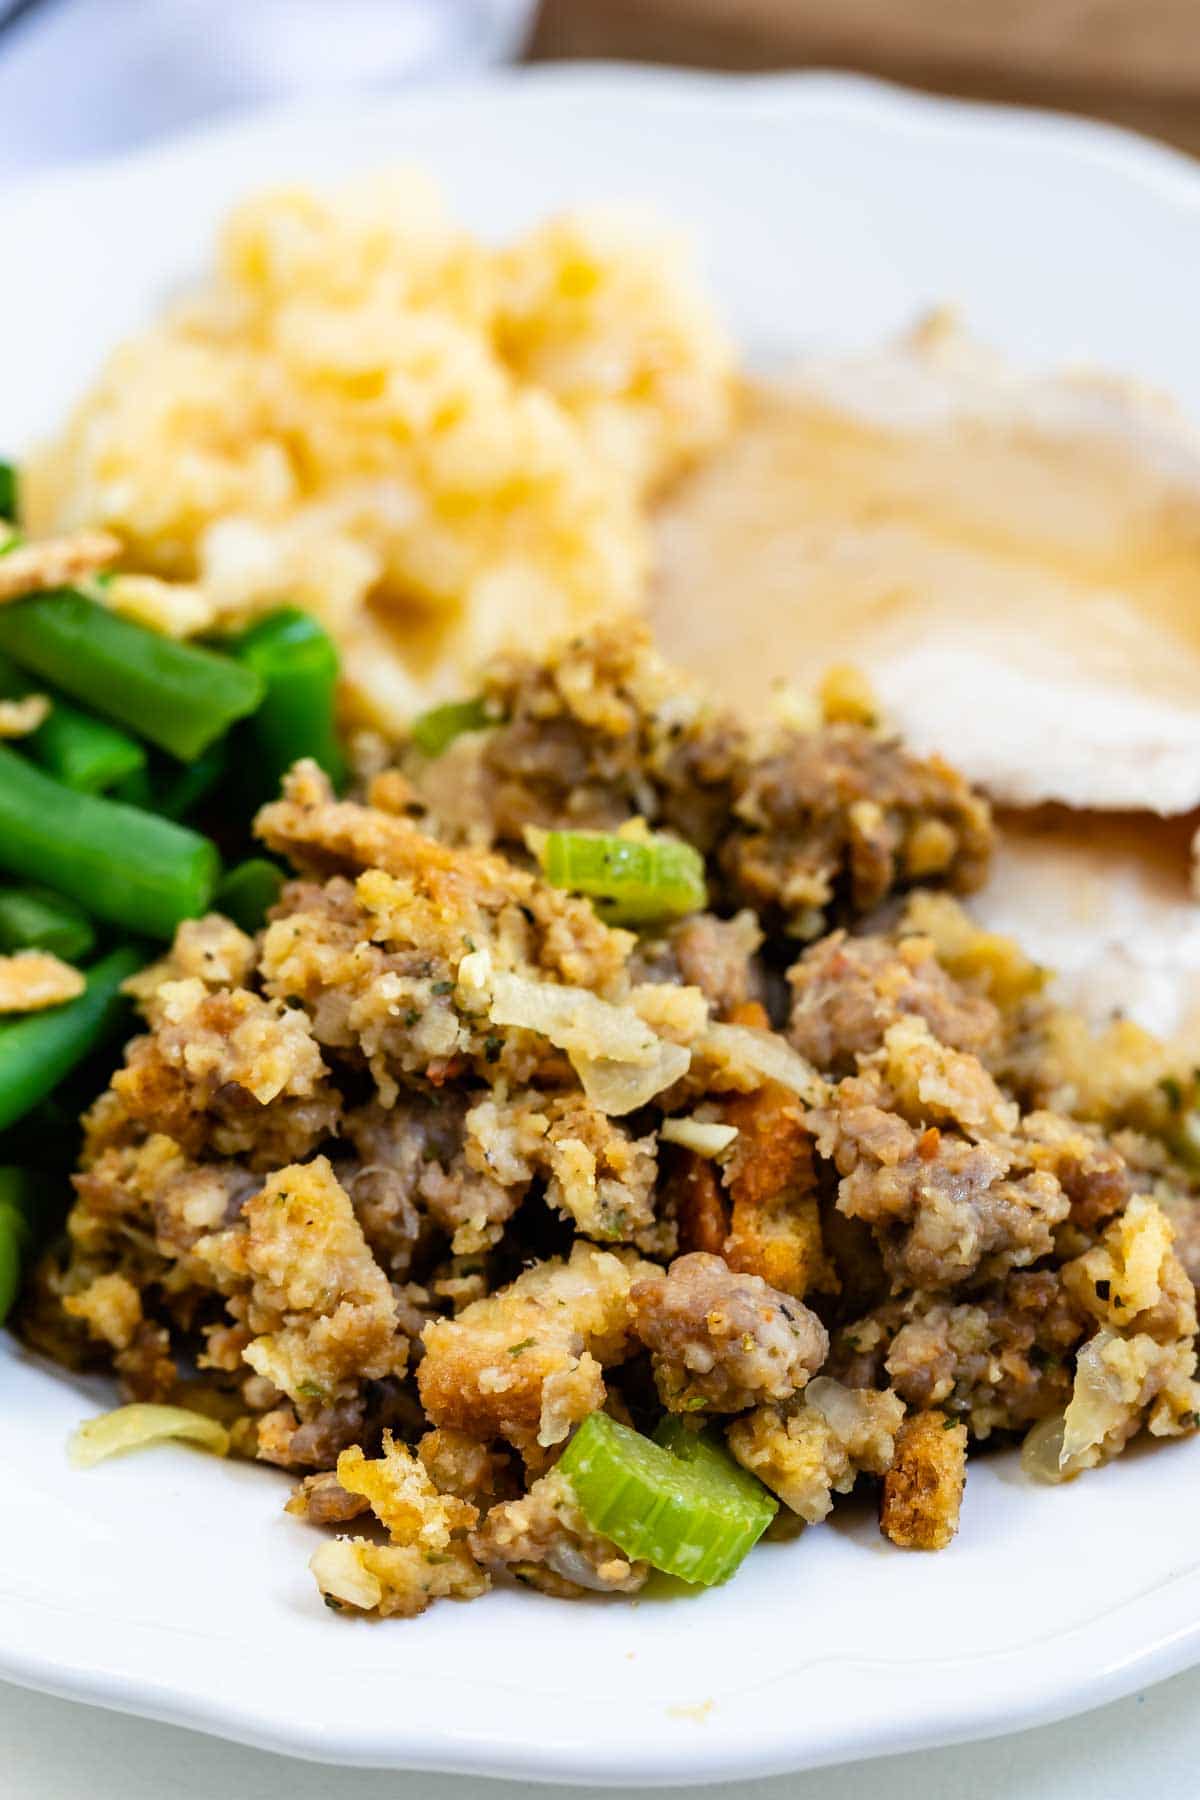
705,1450
633,881
435,730
695,1518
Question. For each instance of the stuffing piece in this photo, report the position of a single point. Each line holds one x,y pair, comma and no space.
1001,1360
983,961
322,1500
20,717
933,1084
944,1209
319,1308
439,1158
809,1449
600,1175
775,1223
151,1190
459,1464
176,609
527,1362
722,1341
1131,1280
54,562
719,956
110,1307
33,979
427,1558
544,1540
848,992
419,1161
843,807
923,1488
1139,1368
692,1196
603,732
230,1072
1093,1174
210,950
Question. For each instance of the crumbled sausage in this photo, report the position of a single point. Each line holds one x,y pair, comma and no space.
722,1341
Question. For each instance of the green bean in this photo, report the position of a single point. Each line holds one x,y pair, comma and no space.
8,492
21,1193
298,666
184,788
179,696
14,1239
123,865
248,890
135,790
33,918
22,1198
85,752
39,1049
48,1138
435,730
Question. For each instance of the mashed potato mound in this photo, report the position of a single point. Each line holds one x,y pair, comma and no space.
436,446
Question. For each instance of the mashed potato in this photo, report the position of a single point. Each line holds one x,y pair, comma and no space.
436,446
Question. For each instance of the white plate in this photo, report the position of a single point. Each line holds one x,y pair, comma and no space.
828,211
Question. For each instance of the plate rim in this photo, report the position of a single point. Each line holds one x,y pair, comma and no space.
1170,177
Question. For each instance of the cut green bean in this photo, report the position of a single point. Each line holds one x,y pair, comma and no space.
630,880
8,492
435,730
17,1191
14,1240
692,1517
179,696
184,788
248,891
297,663
25,1217
47,1139
39,1049
33,918
123,865
135,790
85,752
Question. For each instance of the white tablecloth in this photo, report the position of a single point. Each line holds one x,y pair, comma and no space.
1146,1745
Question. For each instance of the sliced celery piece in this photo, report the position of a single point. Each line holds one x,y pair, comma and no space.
435,730
632,881
694,1518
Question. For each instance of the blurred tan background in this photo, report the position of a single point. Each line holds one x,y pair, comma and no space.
1133,61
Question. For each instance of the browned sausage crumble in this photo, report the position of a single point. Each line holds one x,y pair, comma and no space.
438,1163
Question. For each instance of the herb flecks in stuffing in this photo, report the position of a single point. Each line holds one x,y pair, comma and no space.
385,1186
